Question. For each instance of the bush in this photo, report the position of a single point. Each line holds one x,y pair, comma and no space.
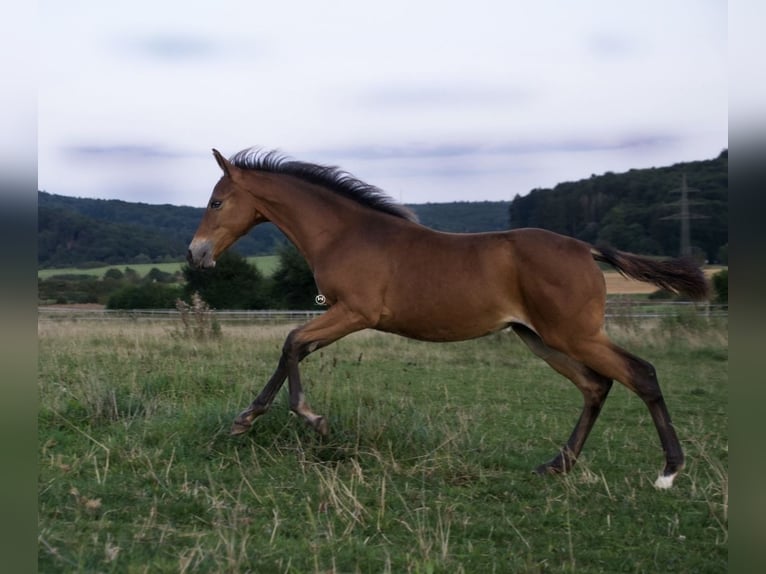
684,320
159,276
723,254
721,287
114,273
294,286
197,320
232,284
145,296
661,295
70,289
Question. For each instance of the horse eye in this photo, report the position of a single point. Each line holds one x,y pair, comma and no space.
215,204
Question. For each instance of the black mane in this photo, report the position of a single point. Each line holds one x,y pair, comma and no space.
329,177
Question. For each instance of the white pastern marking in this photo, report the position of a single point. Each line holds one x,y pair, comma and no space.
664,482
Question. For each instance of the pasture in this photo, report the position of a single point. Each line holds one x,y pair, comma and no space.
427,467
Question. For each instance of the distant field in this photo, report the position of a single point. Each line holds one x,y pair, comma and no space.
265,263
427,467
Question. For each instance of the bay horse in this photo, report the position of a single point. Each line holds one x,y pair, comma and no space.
377,268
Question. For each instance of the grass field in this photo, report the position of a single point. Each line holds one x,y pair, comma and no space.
427,468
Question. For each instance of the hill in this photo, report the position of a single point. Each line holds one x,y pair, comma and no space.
637,210
80,231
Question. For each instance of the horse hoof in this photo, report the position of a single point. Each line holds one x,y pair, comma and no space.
555,466
321,426
239,427
665,481
546,469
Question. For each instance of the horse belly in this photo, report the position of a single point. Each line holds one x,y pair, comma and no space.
451,287
447,318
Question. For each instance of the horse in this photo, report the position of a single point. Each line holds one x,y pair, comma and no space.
377,268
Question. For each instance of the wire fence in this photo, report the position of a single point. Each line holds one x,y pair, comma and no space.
629,308
622,308
252,316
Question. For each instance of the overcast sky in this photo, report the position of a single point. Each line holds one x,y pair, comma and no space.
429,100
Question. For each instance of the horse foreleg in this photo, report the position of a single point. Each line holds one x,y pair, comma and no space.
592,385
263,401
286,369
336,323
298,402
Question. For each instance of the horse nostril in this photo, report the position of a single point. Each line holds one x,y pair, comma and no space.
200,254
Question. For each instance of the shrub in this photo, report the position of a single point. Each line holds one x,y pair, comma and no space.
145,296
197,320
114,273
232,284
721,287
661,295
293,282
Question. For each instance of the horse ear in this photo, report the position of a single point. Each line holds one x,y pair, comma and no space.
223,163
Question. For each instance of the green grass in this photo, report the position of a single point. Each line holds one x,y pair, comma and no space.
267,264
427,468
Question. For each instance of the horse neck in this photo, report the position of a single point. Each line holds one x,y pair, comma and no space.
310,216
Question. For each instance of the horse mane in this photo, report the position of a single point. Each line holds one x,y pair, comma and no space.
329,177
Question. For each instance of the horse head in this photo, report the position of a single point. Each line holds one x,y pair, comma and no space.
230,213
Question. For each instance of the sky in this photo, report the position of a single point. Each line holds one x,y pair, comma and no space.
432,101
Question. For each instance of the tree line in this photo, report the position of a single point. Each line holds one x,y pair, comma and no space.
638,210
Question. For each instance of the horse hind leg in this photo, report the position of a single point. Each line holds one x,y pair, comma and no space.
593,386
646,386
640,377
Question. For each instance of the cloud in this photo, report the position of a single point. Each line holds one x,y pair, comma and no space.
412,151
625,142
172,48
585,145
124,152
447,95
610,44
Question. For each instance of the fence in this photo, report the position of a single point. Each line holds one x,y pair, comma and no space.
257,316
628,308
616,309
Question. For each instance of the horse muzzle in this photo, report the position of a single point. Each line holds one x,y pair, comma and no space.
200,253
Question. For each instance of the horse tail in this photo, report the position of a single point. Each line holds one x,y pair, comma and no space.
681,276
